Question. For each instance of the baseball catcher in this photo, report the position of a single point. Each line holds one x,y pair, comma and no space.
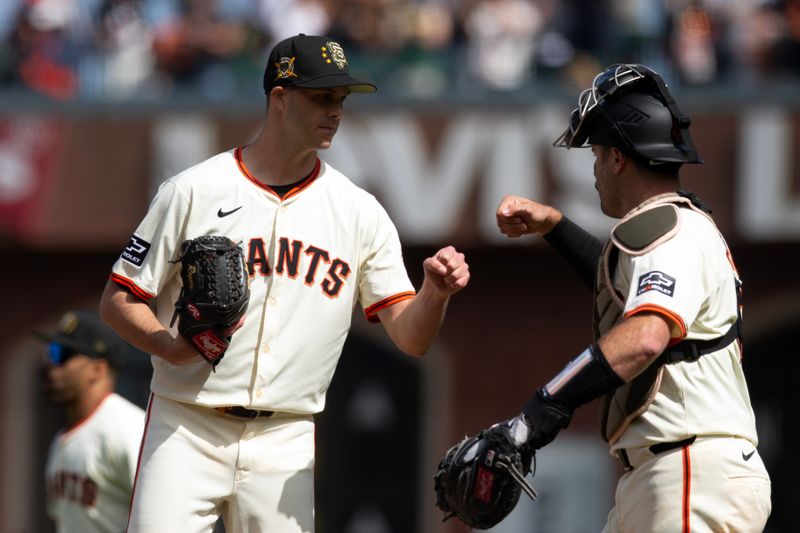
214,295
480,479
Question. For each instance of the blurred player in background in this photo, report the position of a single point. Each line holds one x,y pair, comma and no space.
92,459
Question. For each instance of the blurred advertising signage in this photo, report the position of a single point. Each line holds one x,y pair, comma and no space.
446,179
27,159
440,175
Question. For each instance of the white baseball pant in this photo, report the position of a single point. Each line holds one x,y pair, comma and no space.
716,484
197,464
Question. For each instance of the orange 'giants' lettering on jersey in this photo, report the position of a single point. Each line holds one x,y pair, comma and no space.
73,487
290,263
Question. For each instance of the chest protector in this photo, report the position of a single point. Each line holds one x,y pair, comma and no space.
643,229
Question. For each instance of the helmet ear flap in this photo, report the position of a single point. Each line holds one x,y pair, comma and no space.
643,127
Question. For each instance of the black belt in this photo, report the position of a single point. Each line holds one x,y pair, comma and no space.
655,449
243,412
666,446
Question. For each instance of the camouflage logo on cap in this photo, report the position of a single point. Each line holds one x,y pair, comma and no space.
332,52
285,68
68,323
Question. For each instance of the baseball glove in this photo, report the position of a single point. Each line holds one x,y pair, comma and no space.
480,479
214,295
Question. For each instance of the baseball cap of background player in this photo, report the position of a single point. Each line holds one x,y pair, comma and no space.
82,332
310,61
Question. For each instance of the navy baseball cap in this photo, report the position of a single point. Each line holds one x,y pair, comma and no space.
82,332
310,61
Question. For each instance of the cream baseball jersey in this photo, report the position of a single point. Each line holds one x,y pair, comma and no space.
690,279
312,256
91,467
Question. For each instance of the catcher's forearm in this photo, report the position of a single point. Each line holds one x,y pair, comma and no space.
133,319
585,378
580,249
635,343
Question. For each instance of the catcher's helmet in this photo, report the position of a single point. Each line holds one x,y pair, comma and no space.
629,107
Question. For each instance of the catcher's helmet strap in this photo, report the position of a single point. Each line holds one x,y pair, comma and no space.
682,119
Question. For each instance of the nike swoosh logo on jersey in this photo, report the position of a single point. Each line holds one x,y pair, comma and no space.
222,213
747,456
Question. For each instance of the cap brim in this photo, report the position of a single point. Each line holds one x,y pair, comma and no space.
63,341
338,80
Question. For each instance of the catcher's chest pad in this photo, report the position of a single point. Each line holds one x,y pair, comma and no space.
643,229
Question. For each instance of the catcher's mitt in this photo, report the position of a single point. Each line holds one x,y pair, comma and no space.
214,294
480,479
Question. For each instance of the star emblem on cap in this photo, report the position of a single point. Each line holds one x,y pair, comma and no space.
325,54
334,50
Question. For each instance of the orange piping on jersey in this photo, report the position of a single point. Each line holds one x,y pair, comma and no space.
730,260
86,417
126,283
372,311
306,183
676,319
301,187
243,169
687,490
139,459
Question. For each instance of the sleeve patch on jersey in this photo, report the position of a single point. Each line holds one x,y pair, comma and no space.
656,281
136,251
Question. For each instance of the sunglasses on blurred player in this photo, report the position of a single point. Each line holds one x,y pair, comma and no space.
59,354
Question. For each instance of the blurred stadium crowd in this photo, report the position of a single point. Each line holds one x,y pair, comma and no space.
149,49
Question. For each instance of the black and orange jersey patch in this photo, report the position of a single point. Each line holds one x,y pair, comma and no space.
136,251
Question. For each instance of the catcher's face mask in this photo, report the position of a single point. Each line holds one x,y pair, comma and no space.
604,86
629,106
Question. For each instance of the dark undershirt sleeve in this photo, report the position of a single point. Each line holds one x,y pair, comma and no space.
579,248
